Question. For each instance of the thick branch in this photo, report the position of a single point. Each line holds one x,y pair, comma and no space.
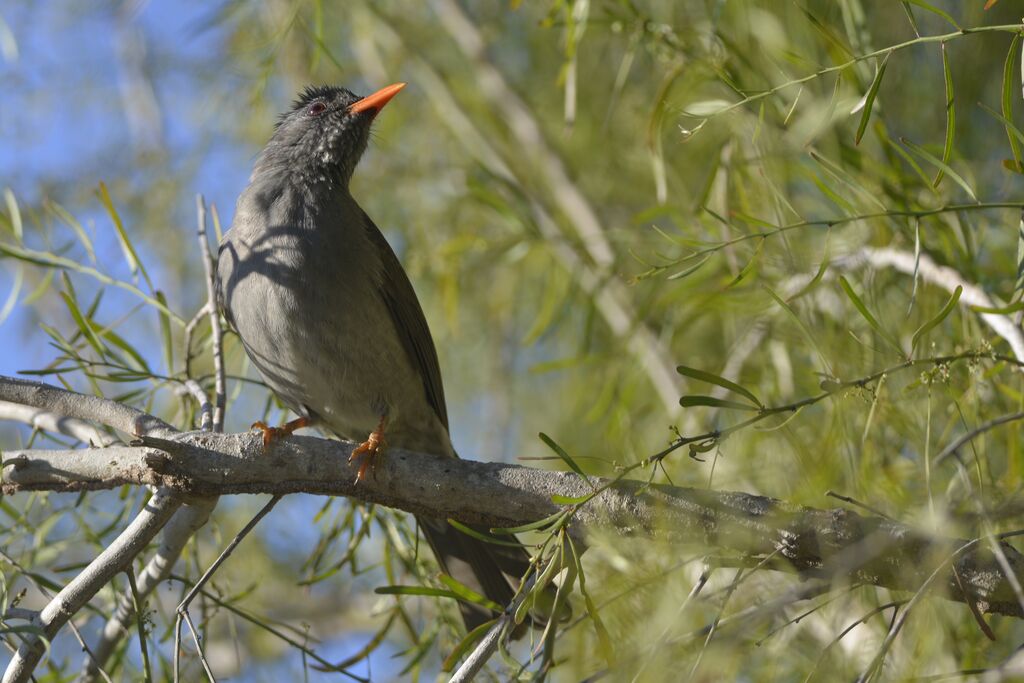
818,543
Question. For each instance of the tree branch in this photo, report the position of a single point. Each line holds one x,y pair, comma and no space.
815,543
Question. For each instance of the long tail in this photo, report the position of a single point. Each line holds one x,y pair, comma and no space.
483,567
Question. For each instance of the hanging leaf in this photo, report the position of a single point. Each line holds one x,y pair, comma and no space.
1007,101
868,101
565,456
866,314
939,317
947,148
712,378
712,402
938,163
130,255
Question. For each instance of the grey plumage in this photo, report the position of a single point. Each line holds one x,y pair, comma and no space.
328,316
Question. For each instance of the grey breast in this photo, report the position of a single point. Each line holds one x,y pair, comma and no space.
300,283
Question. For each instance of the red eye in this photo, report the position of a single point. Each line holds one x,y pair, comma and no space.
317,108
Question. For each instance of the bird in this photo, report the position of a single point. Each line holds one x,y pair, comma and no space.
328,316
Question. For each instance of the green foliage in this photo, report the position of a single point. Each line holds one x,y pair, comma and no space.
729,218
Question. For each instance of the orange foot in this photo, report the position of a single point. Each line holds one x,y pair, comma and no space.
272,434
373,445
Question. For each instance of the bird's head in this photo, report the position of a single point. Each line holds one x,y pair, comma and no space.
325,132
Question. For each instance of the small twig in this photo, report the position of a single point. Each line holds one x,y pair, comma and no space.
183,607
971,435
842,634
484,650
702,580
205,407
209,265
199,647
140,622
853,501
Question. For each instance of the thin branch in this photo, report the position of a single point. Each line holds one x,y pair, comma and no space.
81,406
182,610
74,596
140,621
210,267
52,422
205,407
974,433
182,526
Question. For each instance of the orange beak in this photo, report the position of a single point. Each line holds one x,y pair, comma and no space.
377,100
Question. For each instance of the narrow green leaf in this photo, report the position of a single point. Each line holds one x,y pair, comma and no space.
564,456
1019,284
1007,100
431,592
913,164
749,267
64,216
910,17
1000,310
134,264
466,594
689,271
800,323
14,213
603,637
1007,123
917,264
938,163
83,326
470,531
12,297
551,302
939,317
465,644
533,526
868,101
116,339
712,378
934,10
570,500
165,333
712,402
866,314
41,258
947,148
822,268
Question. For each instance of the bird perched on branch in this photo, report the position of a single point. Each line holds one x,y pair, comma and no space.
328,316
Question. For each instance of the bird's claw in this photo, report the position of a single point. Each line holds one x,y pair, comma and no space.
368,450
272,434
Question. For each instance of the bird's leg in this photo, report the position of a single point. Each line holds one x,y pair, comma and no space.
272,434
371,447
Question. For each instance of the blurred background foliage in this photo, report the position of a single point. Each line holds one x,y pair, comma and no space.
585,194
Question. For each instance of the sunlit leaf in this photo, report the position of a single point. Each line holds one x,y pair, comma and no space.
1007,99
711,378
939,317
694,400
867,102
947,148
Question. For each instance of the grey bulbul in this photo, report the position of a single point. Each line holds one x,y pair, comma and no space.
328,316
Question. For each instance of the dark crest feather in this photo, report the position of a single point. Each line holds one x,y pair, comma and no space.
311,93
